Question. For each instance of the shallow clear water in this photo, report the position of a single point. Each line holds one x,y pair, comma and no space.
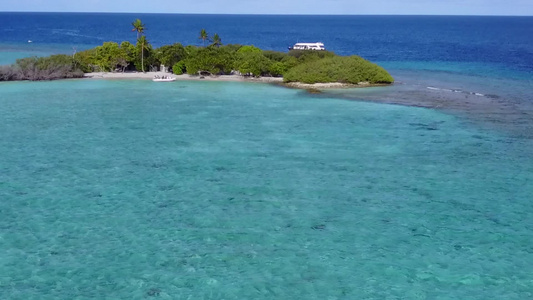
9,53
497,103
205,190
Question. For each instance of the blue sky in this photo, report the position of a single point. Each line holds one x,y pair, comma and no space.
430,7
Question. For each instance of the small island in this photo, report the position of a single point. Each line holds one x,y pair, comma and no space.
297,68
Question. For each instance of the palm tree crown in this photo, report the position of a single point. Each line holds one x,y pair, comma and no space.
138,26
217,41
203,35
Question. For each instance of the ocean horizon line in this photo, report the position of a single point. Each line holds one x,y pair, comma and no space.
253,14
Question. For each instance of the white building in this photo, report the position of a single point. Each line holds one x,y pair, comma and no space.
308,46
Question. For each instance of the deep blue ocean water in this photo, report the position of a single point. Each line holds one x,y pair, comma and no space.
129,189
503,42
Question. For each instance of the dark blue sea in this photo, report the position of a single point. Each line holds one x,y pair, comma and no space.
130,189
496,41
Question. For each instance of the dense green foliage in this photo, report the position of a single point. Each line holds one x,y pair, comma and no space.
171,54
345,69
253,63
211,60
310,55
249,49
306,66
109,56
278,68
301,66
42,68
179,68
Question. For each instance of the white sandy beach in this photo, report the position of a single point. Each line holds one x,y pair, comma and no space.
150,75
277,80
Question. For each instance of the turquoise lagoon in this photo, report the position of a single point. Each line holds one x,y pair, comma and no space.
207,190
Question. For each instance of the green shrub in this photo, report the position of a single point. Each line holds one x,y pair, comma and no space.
275,55
249,49
290,61
42,68
346,69
170,54
254,63
179,68
306,66
278,68
214,60
310,55
107,56
84,59
232,47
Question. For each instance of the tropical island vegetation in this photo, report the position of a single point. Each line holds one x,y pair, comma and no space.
211,58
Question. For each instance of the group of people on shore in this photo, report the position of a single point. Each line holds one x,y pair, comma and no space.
162,77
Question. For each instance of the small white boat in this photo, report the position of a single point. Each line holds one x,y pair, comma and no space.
29,41
164,79
308,46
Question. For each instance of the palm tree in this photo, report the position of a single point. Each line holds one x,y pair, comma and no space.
203,36
139,27
216,40
144,46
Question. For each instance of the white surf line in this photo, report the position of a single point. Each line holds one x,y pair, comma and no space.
455,91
